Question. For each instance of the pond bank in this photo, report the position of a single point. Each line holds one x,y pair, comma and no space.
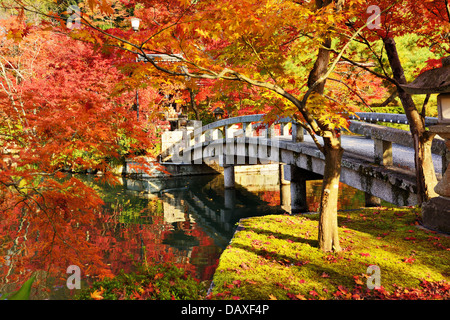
276,257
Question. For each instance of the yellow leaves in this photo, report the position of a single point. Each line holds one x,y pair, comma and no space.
15,35
22,183
201,32
300,297
82,34
103,5
128,47
218,27
97,294
272,297
186,3
213,33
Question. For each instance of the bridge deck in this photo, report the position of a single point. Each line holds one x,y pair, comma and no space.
363,148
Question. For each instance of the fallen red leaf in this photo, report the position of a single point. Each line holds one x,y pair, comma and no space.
409,260
364,254
313,293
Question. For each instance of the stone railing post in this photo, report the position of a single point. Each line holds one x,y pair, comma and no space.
215,134
383,152
199,137
284,129
186,140
248,129
270,131
228,131
297,132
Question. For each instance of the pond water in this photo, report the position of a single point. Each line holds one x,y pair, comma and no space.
186,221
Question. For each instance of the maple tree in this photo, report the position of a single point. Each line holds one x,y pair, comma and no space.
56,116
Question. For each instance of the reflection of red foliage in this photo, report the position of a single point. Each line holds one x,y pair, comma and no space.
125,245
271,197
348,196
111,247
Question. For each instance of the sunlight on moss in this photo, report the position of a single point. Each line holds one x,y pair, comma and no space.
278,255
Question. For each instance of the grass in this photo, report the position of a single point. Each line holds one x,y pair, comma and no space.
277,256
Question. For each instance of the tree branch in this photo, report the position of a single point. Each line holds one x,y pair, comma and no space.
340,54
354,91
447,9
364,67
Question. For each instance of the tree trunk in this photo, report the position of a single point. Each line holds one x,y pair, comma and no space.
424,168
320,66
193,104
328,226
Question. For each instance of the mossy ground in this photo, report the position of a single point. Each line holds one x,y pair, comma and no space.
277,256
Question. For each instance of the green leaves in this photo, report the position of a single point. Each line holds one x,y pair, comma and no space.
23,293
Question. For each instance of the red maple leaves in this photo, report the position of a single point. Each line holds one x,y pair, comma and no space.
57,114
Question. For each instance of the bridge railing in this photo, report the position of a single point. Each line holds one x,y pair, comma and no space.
388,117
384,137
363,123
249,124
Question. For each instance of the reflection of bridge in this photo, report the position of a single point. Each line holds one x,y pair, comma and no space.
205,201
379,160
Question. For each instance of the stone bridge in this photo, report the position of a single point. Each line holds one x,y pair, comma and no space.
378,160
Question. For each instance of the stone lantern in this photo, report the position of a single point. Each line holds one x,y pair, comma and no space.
218,113
436,212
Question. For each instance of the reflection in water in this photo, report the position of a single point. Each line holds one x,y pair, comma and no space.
186,221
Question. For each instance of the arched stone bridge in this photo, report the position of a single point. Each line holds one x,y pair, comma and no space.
378,160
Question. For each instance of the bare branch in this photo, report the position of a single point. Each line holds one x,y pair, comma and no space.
353,90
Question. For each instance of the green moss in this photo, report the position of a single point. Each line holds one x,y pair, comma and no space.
278,256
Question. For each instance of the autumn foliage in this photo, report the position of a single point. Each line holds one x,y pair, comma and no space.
58,114
158,282
68,98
